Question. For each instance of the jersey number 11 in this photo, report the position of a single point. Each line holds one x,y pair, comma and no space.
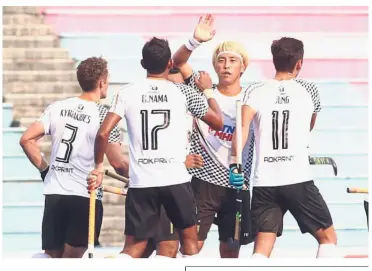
275,132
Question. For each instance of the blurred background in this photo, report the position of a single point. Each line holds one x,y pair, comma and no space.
43,45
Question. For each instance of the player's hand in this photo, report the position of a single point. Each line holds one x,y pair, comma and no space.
204,82
94,180
194,161
236,177
44,173
204,30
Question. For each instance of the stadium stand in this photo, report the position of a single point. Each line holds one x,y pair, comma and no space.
336,58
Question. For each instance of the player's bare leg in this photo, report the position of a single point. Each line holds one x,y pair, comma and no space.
54,253
189,239
150,248
227,252
168,248
134,248
264,244
73,252
327,240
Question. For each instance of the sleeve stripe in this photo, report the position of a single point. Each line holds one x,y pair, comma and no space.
250,89
115,136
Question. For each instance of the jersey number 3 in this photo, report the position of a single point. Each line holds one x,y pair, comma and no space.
275,132
154,131
68,143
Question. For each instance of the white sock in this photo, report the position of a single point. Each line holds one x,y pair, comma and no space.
327,251
161,256
258,255
179,254
190,256
41,255
123,256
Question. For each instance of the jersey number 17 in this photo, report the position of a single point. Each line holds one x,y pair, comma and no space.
154,131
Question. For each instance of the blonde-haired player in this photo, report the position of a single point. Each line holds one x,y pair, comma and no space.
213,194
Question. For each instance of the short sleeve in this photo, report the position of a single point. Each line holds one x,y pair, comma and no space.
45,119
191,80
115,135
118,103
196,103
250,96
313,90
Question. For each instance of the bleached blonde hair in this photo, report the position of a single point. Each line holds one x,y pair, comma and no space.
231,46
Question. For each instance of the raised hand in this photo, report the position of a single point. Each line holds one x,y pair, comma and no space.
204,82
204,30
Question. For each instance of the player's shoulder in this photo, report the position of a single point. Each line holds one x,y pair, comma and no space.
185,89
306,84
64,103
253,87
126,88
102,108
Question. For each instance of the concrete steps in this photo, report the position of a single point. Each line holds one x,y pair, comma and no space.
30,41
23,99
42,64
21,10
29,30
35,53
41,87
22,19
38,76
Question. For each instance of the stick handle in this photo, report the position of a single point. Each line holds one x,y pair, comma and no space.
238,129
92,222
116,176
357,190
114,190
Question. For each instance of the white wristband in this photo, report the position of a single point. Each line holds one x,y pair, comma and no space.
233,160
208,93
192,44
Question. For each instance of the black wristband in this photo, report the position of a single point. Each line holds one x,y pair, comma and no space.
44,173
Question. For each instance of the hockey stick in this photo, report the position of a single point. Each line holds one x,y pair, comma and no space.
114,190
92,223
324,161
235,242
116,176
357,190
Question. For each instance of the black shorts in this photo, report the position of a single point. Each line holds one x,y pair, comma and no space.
302,200
66,221
166,231
143,205
212,200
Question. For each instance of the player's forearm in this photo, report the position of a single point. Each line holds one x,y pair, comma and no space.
312,123
181,57
121,166
100,147
217,123
33,153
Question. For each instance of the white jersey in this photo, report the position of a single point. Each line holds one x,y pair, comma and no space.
156,115
73,124
215,146
282,130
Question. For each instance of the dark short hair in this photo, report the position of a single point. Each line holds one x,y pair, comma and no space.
156,55
174,70
286,53
90,71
